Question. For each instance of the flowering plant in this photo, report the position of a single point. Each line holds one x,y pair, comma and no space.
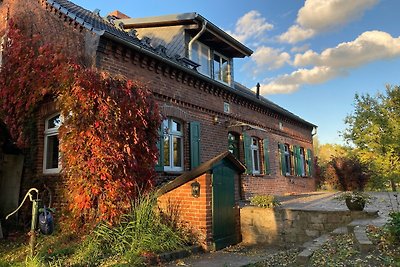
354,196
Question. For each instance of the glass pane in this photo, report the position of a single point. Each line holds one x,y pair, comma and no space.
195,53
225,70
217,67
52,152
204,62
254,142
176,126
165,127
54,122
256,161
177,151
166,151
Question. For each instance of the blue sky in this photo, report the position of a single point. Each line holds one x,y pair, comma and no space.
310,57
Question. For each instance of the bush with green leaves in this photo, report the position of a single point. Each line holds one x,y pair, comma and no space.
264,201
140,233
393,226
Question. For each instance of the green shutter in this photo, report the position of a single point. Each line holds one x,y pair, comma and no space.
267,167
310,162
247,153
194,144
283,161
160,146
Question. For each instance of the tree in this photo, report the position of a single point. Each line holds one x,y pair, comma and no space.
374,130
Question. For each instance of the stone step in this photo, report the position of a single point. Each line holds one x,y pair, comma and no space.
361,238
340,231
355,223
310,247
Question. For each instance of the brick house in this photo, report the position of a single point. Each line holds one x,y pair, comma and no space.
188,63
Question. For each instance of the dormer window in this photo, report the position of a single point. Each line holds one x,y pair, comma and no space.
221,68
212,63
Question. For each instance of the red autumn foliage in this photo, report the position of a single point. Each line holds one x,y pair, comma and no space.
108,143
25,79
108,137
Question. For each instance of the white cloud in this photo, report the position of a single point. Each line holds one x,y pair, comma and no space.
250,25
296,34
369,46
332,62
321,15
289,83
269,58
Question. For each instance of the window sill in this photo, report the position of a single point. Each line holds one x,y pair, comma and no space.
171,172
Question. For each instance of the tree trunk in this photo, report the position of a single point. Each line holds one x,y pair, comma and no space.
393,184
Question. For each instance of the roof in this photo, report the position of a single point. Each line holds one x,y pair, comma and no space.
106,27
213,34
203,168
271,105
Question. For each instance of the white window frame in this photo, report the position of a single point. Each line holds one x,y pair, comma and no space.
255,149
287,159
49,133
221,71
168,132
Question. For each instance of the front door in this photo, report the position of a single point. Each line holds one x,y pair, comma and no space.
224,206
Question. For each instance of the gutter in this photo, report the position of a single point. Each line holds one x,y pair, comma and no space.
203,29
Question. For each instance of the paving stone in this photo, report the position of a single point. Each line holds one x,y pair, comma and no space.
340,231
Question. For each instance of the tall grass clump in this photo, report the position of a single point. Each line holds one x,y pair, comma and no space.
141,232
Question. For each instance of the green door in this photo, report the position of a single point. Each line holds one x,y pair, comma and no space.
223,206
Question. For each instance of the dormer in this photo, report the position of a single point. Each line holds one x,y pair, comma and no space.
191,36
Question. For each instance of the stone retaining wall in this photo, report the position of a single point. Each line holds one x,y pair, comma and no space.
290,227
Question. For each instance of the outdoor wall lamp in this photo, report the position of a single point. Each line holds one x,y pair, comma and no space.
215,119
195,189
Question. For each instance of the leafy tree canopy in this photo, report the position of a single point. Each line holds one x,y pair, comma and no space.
374,130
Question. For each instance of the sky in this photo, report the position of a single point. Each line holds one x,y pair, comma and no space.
311,57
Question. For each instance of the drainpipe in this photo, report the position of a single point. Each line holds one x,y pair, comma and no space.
196,37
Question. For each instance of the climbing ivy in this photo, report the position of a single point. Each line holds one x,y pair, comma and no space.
108,137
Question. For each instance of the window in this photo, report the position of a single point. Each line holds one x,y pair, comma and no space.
51,157
201,54
255,155
221,65
233,144
302,162
285,155
172,145
288,165
221,68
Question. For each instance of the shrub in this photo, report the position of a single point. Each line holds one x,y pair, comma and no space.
264,201
351,173
393,226
140,233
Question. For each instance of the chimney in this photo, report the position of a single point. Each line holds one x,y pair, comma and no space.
258,91
118,15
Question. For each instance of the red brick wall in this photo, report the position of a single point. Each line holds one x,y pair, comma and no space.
187,98
196,213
